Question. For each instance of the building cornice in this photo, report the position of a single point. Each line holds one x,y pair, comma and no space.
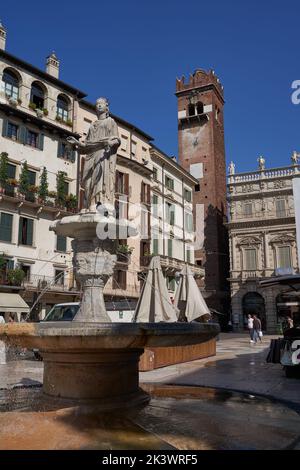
261,223
40,73
134,165
155,152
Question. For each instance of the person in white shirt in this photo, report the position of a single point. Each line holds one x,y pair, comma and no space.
250,328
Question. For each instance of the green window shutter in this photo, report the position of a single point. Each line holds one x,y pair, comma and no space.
31,177
61,243
155,246
29,231
23,134
41,141
170,248
4,127
11,170
6,221
59,149
20,230
10,264
73,155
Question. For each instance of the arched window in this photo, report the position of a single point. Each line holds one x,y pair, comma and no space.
63,107
199,107
191,109
11,84
37,96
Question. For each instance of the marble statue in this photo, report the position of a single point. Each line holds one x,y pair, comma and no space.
295,157
261,163
231,168
100,150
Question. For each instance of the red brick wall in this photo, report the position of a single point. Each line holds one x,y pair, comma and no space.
201,140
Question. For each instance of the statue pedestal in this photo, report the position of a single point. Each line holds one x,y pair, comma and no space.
94,245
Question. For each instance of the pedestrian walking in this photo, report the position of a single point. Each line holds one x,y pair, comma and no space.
257,333
250,327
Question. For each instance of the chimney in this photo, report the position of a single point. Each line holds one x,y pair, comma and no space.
2,37
52,65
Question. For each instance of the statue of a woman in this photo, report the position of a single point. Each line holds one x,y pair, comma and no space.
100,148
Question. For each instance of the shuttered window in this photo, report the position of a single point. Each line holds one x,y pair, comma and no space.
155,244
61,243
25,231
11,173
170,247
170,213
6,221
188,222
284,257
169,182
280,208
250,259
155,205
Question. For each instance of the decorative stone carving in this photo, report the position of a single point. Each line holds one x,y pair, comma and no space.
93,263
249,241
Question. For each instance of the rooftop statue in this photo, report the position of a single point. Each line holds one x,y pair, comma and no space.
231,168
261,163
100,150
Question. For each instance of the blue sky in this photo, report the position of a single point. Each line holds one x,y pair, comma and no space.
132,50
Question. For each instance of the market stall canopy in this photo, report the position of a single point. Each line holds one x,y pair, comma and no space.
154,304
188,298
13,303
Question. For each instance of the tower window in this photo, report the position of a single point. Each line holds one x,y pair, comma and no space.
191,110
200,107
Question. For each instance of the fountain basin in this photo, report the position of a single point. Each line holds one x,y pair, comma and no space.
99,362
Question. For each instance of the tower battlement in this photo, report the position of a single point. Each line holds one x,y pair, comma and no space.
200,78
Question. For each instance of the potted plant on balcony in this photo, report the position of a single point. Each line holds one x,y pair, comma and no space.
32,191
124,252
32,105
52,195
45,111
15,276
43,187
3,171
24,181
61,189
71,202
58,118
12,101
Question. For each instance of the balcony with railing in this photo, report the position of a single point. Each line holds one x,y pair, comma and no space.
50,283
271,173
11,193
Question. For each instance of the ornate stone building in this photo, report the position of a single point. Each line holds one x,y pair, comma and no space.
262,241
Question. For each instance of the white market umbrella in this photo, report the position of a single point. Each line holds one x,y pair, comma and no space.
188,298
154,304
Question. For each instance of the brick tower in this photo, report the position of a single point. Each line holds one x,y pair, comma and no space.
202,153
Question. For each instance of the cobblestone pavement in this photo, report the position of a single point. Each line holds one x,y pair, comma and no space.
237,366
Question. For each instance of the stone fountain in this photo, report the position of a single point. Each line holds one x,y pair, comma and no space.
91,359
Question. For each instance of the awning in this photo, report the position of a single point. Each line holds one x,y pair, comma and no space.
13,303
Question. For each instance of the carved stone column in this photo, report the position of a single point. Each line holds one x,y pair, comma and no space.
93,263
